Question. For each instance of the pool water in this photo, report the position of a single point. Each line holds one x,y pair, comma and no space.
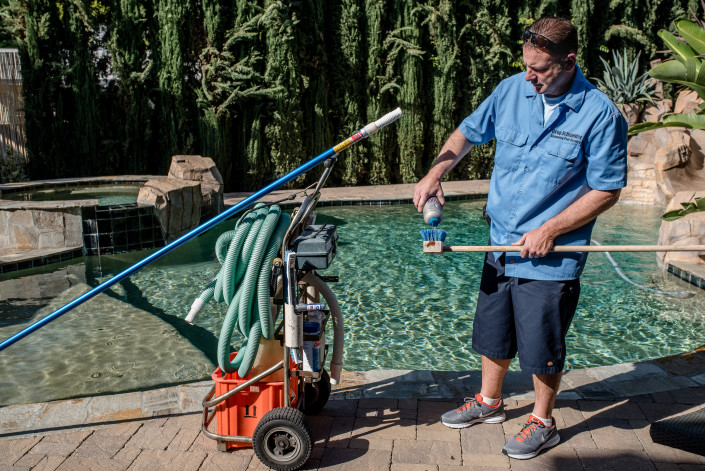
107,195
403,309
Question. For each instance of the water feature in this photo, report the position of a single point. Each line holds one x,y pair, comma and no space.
403,309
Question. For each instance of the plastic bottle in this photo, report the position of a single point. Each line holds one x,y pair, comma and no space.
313,353
433,211
311,347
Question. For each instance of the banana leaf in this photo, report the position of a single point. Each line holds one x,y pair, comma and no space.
691,69
681,120
675,71
672,215
681,50
693,34
688,208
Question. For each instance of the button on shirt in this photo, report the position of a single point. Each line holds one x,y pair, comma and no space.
542,168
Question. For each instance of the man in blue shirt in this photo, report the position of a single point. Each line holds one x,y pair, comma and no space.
560,161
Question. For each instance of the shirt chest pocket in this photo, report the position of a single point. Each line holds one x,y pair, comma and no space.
510,147
558,159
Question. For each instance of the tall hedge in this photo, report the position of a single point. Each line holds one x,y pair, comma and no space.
119,86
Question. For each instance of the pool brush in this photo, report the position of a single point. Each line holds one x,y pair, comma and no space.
433,215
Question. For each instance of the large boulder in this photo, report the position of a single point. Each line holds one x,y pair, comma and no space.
203,170
663,162
688,230
654,112
687,102
177,203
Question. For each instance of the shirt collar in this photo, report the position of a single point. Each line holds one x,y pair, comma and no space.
575,96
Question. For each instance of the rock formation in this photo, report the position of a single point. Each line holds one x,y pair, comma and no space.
688,230
665,161
191,193
201,169
177,204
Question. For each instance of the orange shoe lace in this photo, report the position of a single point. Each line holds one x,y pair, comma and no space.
532,424
473,402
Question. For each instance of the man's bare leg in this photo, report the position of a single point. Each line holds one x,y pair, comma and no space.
545,390
493,371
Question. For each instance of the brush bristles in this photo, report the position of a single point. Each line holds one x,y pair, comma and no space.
433,234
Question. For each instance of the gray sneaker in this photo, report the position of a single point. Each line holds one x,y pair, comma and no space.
533,438
472,412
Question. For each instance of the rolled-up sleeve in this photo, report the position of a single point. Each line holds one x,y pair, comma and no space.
606,153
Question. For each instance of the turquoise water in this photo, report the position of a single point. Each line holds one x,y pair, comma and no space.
107,195
403,309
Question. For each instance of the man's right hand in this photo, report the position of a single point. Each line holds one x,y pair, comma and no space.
453,150
427,187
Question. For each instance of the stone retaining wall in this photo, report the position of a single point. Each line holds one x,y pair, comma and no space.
34,226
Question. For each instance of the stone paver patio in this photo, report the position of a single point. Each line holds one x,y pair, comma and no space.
377,434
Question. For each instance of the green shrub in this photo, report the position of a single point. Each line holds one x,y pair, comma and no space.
13,168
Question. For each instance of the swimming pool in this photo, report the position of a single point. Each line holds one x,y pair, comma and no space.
403,309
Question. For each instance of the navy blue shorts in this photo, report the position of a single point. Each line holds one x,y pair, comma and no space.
530,317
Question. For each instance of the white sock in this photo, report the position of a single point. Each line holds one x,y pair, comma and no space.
489,401
546,422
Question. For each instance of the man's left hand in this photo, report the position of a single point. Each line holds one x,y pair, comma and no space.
535,244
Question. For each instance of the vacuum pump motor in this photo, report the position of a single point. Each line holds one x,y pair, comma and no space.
316,247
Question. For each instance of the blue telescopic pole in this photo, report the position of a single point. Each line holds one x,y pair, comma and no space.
362,134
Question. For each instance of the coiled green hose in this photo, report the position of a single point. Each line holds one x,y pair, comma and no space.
246,255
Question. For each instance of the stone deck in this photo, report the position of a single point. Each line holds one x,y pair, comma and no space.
374,421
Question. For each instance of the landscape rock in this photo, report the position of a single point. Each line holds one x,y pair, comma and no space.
662,162
177,204
688,230
655,112
203,170
687,102
631,112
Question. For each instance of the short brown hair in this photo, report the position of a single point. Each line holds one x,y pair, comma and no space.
559,30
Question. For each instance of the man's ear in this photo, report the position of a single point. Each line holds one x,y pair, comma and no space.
570,61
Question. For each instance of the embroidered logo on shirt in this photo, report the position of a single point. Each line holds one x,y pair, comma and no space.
566,136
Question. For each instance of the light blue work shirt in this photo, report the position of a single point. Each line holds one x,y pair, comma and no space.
539,170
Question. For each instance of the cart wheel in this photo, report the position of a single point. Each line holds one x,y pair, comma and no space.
316,394
283,439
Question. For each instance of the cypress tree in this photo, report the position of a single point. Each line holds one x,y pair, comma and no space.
410,130
233,96
441,20
348,92
174,80
379,89
130,39
284,131
42,73
314,75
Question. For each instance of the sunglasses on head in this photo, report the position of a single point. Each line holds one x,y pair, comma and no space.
539,40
